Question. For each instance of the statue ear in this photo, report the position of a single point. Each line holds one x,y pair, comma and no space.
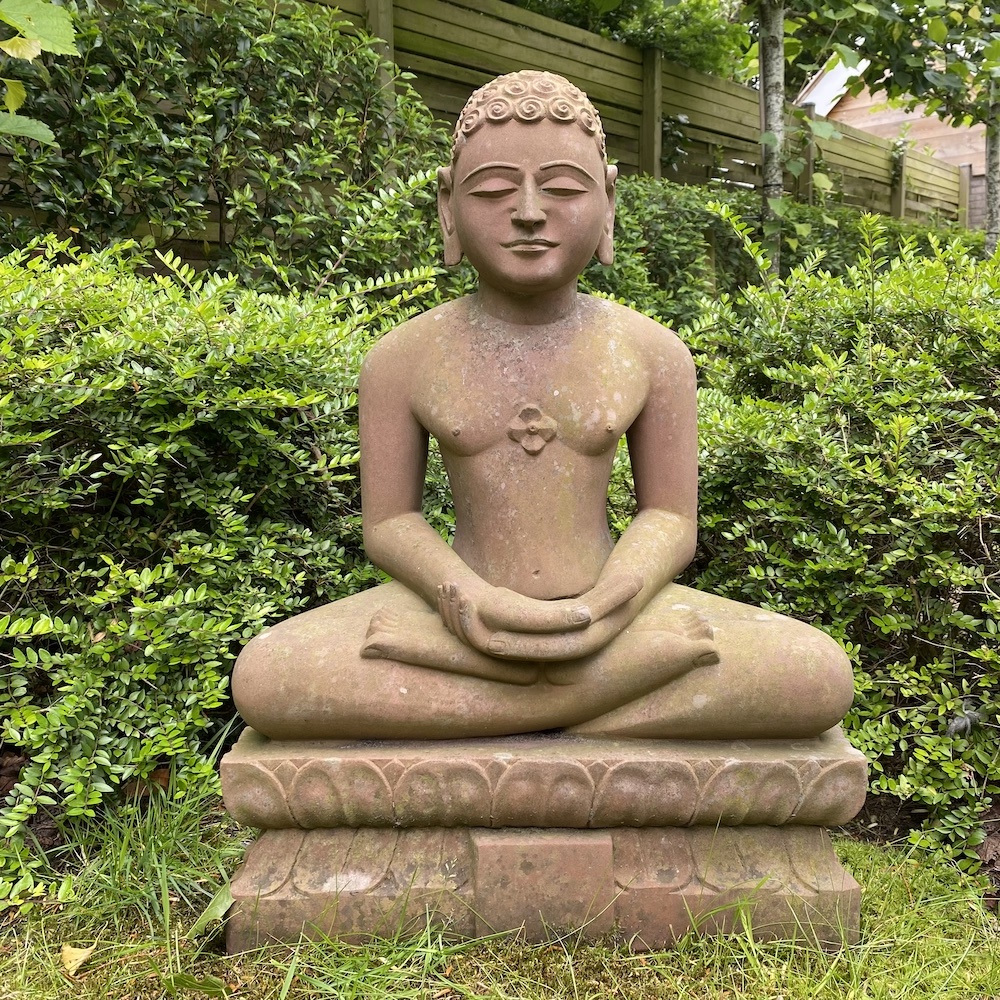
606,247
452,247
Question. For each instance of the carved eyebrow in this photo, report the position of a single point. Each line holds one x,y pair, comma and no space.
569,165
489,166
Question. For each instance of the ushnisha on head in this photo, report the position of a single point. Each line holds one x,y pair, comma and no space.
528,96
539,135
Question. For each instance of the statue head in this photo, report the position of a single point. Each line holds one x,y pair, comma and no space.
537,148
528,96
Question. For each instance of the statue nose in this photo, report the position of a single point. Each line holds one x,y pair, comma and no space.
528,211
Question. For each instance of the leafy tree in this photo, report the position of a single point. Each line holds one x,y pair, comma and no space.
37,26
944,54
706,35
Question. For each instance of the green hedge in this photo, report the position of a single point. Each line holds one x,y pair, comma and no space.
178,466
281,122
850,478
673,250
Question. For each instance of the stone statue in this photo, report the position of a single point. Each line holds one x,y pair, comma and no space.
534,618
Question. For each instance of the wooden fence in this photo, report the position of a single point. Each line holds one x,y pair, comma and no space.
454,46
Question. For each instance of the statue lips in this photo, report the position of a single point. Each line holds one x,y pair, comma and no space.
530,245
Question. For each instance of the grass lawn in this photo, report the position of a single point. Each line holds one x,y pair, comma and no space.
148,872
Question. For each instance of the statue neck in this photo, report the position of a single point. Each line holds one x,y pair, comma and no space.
527,310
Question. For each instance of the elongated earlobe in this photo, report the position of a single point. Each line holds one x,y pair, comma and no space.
452,246
606,247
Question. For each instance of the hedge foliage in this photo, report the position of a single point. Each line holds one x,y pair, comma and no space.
269,131
673,251
850,477
178,466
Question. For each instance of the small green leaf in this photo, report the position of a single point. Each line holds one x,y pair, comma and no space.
848,56
822,181
209,986
15,95
22,48
823,129
215,911
937,30
779,206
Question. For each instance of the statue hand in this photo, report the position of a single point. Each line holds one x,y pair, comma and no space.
476,615
507,625
609,613
611,594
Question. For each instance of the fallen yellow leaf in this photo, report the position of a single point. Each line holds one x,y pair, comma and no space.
73,958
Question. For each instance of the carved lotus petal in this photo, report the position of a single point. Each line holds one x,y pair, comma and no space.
255,796
436,793
269,862
646,793
750,792
554,795
328,793
653,858
835,795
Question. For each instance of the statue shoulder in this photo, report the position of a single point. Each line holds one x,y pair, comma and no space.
412,341
655,340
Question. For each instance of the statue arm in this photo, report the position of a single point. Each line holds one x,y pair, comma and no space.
393,465
663,449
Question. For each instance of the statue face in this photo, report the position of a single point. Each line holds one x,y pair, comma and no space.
528,204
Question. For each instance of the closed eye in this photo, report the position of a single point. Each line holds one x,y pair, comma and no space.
564,187
493,187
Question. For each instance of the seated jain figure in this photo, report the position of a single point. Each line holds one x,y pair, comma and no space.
534,619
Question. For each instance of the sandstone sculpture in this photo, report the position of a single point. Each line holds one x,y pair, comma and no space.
693,764
533,619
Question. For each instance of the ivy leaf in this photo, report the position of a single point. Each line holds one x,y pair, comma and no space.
42,22
15,95
29,128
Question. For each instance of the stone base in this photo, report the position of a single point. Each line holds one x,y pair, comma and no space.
649,885
546,781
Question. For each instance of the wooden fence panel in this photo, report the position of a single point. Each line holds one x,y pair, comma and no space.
449,42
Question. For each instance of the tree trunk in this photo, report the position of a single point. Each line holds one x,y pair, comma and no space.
993,178
771,48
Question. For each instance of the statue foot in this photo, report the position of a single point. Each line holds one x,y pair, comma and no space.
655,654
421,639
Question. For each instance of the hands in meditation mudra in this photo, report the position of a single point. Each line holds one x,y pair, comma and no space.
534,619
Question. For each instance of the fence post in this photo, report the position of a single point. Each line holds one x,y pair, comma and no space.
899,185
809,158
964,190
651,126
378,16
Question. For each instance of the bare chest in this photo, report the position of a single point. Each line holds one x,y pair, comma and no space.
471,400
